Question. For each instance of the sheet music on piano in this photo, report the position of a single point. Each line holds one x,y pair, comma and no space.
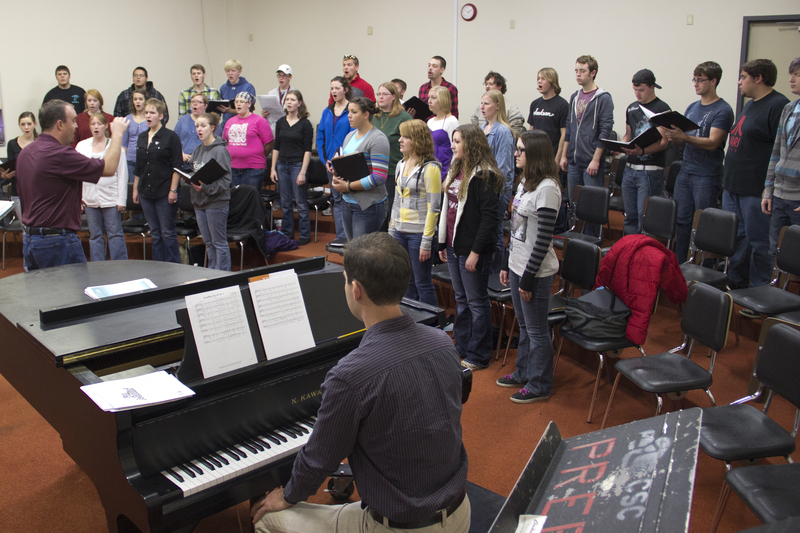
281,314
221,330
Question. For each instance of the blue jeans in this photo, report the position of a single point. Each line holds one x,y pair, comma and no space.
577,175
535,351
692,192
473,327
213,224
783,214
289,189
751,264
420,286
131,170
247,176
336,207
110,219
53,250
357,222
637,187
160,215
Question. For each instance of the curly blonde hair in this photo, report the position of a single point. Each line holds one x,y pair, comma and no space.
477,159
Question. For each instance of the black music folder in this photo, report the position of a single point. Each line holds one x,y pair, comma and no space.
214,105
423,112
210,172
668,119
9,165
643,140
351,167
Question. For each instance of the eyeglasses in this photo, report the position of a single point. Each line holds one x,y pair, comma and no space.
350,56
282,75
518,150
698,80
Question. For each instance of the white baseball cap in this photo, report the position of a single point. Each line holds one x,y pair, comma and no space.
286,69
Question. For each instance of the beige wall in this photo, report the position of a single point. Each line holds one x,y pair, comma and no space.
312,36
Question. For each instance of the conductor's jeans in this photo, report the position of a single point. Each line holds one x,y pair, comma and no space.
349,518
53,250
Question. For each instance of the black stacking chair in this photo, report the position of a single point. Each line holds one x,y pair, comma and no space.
15,226
610,347
580,263
706,319
715,233
670,175
135,226
769,300
500,295
270,195
591,207
660,218
186,225
615,203
739,432
316,176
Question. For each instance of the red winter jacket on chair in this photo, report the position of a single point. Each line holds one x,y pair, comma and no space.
635,268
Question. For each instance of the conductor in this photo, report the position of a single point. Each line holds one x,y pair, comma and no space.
49,181
392,407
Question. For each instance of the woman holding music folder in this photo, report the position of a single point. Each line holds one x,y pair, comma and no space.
105,200
291,154
364,196
467,240
417,201
211,200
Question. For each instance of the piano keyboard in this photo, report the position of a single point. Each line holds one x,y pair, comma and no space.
253,453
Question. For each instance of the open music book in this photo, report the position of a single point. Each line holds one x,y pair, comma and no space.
148,389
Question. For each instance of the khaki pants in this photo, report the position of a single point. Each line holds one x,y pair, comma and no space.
349,518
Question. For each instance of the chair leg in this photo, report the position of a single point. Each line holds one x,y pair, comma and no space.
144,247
596,387
660,404
610,399
558,354
316,222
723,501
500,330
4,250
711,396
508,344
241,256
736,324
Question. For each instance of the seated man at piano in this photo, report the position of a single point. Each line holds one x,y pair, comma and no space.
392,407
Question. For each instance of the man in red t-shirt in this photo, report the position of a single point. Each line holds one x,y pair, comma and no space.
359,85
50,176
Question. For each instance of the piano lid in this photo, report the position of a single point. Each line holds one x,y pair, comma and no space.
37,303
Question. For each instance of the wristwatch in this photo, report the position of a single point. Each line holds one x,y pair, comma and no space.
174,190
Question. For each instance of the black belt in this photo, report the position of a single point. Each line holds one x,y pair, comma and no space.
425,522
48,231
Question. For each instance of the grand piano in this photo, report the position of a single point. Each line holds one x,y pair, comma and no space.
165,467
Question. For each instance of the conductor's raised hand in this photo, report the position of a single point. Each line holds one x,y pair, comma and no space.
119,126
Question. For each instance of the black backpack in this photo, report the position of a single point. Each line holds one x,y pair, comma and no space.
598,314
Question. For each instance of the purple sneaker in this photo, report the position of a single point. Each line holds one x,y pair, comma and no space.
508,381
526,396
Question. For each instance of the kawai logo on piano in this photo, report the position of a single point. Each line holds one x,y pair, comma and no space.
304,397
128,392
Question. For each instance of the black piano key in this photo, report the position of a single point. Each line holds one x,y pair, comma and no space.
187,471
263,442
196,468
220,458
174,474
232,454
239,451
216,463
257,445
248,447
309,421
279,436
300,428
206,462
273,438
291,432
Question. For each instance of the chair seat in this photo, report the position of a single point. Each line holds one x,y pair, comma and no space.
772,492
497,291
595,345
135,225
615,203
238,237
557,303
791,316
556,318
766,300
790,525
741,432
333,249
558,240
693,272
665,372
441,272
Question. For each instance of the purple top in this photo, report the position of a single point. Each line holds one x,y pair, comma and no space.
49,182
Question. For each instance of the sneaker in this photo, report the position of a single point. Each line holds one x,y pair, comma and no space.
471,366
303,241
338,242
327,212
525,396
749,313
508,381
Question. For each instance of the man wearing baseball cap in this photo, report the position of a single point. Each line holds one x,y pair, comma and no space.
644,173
284,75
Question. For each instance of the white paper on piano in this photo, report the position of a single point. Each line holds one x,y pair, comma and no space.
126,287
221,332
271,103
140,391
530,523
6,207
281,314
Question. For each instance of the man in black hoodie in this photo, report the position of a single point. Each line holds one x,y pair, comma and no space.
123,106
